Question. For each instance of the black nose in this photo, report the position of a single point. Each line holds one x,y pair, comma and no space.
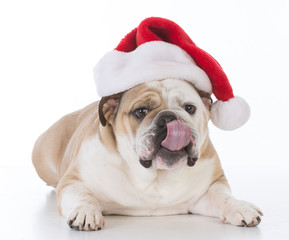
165,117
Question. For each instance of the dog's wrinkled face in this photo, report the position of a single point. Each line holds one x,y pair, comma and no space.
160,124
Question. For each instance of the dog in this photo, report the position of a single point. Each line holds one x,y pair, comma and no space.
143,152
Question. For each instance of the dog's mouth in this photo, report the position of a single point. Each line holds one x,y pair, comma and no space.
170,159
173,147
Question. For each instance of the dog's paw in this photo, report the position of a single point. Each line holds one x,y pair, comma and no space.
241,213
86,217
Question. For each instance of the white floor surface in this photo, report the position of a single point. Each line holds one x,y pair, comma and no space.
28,211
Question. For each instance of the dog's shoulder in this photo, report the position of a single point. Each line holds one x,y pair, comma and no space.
74,129
53,150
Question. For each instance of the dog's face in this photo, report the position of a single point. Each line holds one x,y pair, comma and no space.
159,124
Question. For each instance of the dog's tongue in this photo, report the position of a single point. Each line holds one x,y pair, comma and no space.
178,136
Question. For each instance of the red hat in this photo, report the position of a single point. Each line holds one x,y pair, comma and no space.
158,49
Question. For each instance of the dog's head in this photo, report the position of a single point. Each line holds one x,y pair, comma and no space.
159,124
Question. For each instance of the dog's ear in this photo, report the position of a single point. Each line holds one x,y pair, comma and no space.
107,108
206,98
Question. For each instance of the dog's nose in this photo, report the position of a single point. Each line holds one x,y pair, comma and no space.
165,117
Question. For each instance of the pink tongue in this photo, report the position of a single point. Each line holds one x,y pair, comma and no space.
178,136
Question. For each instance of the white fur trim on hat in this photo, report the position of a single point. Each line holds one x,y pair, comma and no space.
119,71
231,114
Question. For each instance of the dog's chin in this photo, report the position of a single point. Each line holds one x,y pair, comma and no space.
166,159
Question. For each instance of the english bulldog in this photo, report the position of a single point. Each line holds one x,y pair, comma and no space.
143,152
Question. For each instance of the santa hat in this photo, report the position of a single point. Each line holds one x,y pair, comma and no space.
158,49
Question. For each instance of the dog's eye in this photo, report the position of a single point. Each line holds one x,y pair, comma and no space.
191,109
141,112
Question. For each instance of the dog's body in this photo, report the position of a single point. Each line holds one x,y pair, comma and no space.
141,162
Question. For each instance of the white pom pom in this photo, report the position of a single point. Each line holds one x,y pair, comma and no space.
231,114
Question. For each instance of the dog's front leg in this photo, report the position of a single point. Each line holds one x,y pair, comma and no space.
218,202
79,206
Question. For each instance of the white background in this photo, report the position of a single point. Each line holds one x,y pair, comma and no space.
48,50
